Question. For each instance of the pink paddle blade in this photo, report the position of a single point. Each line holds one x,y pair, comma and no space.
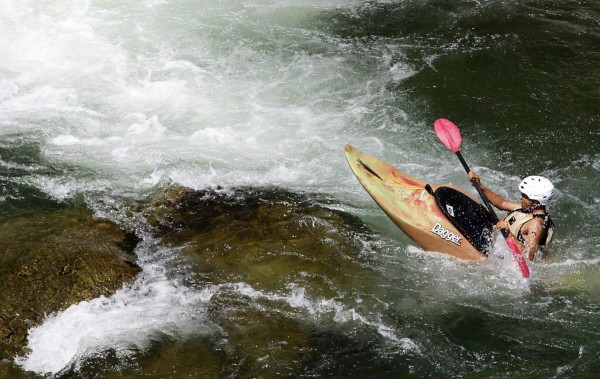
519,257
448,133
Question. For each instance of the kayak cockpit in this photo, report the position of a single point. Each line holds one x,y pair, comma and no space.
471,218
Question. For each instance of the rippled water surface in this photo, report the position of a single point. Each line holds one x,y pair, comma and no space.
107,102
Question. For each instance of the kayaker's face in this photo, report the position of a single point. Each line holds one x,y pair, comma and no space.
525,201
527,204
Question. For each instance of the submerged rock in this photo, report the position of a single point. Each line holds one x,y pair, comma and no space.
53,260
279,259
258,236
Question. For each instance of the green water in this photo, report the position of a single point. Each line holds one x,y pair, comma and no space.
103,103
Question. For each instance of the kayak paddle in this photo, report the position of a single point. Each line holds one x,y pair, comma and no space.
450,136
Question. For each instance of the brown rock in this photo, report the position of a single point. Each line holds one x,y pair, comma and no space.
53,260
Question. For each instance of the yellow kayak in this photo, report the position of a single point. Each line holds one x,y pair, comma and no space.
438,218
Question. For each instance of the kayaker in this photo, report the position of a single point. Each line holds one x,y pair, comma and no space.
528,222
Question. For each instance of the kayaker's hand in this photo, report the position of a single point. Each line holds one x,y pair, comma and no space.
474,178
502,224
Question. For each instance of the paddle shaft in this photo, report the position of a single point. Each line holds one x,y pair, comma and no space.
480,192
477,187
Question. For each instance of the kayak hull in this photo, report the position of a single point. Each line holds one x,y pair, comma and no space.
410,204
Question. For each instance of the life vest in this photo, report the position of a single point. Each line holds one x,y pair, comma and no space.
517,218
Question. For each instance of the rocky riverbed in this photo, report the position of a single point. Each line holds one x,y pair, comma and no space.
261,238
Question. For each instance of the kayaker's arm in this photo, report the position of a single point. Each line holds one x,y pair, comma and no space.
533,231
495,199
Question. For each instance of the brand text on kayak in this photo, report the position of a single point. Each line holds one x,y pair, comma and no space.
446,234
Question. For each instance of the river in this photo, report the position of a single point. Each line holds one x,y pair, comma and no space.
106,102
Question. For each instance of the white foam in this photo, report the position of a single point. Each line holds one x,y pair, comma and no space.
499,275
112,88
64,140
324,308
125,322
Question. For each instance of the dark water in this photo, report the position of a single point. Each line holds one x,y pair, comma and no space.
130,98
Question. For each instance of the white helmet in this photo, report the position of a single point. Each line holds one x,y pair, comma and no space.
537,188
